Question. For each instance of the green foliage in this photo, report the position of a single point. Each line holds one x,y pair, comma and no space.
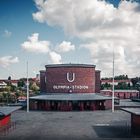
21,83
106,86
17,94
9,78
8,88
13,88
34,87
122,85
4,95
135,81
120,77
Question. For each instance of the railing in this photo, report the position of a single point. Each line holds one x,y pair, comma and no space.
4,101
4,130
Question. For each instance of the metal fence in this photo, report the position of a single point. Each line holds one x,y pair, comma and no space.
7,100
4,130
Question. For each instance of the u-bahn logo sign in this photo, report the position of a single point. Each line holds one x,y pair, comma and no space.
70,77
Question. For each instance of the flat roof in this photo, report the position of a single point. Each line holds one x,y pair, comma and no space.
6,110
70,65
72,97
125,103
42,71
117,90
135,111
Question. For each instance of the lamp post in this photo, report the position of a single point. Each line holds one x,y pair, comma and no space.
113,84
27,90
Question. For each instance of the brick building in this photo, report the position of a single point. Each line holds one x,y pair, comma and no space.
6,123
109,81
70,78
122,94
69,87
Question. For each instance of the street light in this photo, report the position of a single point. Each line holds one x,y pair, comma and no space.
113,84
27,90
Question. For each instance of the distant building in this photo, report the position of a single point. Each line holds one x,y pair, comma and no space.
109,81
6,82
2,84
6,122
122,94
14,82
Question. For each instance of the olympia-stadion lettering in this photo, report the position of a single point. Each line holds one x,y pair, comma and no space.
70,87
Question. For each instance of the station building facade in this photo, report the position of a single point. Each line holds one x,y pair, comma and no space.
70,78
70,87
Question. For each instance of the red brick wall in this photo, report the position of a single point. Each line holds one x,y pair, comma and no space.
57,79
5,120
135,123
120,94
97,82
108,104
135,120
42,81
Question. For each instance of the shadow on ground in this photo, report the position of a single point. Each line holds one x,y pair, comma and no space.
113,130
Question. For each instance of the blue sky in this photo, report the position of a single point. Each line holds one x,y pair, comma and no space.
49,32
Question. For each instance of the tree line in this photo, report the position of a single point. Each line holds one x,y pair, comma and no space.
11,92
134,83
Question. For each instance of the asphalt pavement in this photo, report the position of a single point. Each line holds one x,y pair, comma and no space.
86,125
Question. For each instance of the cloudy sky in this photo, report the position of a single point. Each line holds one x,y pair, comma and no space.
69,31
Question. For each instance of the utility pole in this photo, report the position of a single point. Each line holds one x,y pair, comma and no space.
27,90
113,84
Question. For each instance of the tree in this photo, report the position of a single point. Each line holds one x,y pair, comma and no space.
13,88
138,85
129,86
8,88
122,85
121,77
107,86
34,87
21,83
6,96
9,78
17,94
134,81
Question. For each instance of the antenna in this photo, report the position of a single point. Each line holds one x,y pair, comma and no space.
113,84
27,90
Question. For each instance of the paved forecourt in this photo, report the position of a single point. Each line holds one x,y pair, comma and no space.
84,125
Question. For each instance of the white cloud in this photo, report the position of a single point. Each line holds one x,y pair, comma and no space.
8,60
7,33
101,26
35,45
65,47
55,58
